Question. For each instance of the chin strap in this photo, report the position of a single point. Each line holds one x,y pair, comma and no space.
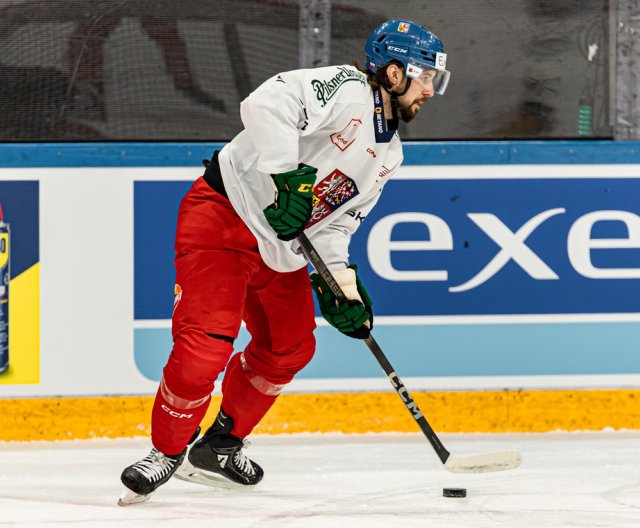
406,88
393,123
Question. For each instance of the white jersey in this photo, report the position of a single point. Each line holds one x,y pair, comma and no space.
328,118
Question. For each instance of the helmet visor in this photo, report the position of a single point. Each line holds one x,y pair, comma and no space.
428,76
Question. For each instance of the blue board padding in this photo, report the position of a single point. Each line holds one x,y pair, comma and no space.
172,154
449,350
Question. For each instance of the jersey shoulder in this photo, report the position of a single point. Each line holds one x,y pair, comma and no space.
336,84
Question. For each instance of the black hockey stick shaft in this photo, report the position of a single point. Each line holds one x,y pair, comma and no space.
396,382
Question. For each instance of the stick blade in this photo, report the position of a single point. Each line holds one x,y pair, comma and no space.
483,462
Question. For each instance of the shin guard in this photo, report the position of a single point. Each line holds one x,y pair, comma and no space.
174,419
246,397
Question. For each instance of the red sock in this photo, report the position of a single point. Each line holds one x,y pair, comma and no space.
242,400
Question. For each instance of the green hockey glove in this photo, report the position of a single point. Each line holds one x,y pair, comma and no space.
354,317
291,211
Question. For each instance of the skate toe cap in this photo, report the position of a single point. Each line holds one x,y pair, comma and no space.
132,480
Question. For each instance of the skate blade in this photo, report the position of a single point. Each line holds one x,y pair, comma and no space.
128,497
189,473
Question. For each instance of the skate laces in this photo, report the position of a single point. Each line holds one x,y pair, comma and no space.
155,465
242,462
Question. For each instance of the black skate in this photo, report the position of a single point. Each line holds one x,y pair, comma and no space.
144,477
217,458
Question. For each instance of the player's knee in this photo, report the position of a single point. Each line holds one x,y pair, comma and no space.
195,362
306,350
282,365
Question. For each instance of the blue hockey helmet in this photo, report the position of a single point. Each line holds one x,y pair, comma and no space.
415,47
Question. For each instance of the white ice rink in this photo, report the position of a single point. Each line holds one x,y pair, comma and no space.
332,481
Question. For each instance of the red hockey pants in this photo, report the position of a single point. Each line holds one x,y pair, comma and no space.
220,281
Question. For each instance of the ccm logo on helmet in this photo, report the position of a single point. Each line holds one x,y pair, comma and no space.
397,49
174,413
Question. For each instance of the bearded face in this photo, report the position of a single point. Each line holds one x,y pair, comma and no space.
419,91
408,111
409,104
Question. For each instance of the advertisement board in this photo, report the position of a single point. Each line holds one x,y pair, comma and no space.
19,283
488,270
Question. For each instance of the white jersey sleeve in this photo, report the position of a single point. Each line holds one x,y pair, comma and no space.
273,116
332,242
279,112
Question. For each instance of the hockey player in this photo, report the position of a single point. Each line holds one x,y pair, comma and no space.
323,142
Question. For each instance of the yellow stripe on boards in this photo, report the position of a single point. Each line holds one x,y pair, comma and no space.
448,412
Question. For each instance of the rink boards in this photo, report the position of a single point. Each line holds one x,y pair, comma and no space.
505,278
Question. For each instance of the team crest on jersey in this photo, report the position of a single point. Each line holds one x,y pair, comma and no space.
345,138
329,194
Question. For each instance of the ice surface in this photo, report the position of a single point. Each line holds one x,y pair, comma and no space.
566,480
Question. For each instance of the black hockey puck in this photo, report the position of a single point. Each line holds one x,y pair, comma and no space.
454,492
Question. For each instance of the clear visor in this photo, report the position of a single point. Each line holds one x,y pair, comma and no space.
429,77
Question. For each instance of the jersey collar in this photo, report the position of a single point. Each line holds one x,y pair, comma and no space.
385,129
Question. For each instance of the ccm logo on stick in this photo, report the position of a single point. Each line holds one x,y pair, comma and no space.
512,246
404,394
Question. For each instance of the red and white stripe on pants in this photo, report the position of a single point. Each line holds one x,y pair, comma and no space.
222,280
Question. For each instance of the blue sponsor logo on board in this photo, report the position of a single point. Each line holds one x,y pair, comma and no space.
538,246
457,247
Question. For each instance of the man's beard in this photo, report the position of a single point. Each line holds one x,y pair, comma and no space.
406,113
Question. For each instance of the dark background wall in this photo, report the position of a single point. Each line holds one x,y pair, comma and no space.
177,69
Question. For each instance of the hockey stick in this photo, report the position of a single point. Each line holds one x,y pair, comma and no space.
480,463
